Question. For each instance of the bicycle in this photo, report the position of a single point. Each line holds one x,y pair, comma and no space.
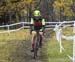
37,38
37,44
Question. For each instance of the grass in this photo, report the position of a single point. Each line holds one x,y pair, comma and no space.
51,48
18,35
9,43
12,45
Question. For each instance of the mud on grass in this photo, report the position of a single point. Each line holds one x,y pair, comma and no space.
15,47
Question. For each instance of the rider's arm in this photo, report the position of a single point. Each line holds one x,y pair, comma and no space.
43,23
32,21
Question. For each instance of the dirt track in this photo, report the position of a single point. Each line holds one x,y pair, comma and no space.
22,52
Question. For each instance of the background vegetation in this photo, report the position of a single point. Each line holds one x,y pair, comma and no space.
12,11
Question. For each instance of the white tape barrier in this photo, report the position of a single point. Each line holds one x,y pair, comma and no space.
8,31
74,43
29,23
60,22
11,24
15,24
59,36
71,38
74,50
74,28
8,26
23,23
68,38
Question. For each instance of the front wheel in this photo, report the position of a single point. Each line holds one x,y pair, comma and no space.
35,53
36,47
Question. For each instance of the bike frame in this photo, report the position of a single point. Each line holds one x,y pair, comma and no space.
36,43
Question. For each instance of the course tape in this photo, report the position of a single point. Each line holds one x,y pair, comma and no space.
8,31
15,24
28,23
59,35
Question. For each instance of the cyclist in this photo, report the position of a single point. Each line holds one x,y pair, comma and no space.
37,24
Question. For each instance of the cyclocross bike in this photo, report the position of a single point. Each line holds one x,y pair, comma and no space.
37,44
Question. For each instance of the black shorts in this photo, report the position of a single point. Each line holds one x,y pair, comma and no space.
37,28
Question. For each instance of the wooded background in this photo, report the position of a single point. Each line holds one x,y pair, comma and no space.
12,11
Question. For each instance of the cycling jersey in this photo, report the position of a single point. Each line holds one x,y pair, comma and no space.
37,22
42,20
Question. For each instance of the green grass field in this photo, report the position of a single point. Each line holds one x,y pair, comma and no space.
51,48
12,47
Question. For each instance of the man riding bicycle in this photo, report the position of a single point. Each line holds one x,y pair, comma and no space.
37,25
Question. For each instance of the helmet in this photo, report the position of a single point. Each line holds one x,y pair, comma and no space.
37,13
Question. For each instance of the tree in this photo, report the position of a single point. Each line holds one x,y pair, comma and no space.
16,8
62,9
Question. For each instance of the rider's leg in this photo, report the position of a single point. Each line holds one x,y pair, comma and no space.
41,38
33,41
40,43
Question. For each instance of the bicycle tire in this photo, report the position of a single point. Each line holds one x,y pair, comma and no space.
36,47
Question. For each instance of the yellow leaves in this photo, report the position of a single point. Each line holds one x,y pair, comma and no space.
59,4
62,4
27,1
2,9
56,6
66,4
68,12
22,12
56,3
